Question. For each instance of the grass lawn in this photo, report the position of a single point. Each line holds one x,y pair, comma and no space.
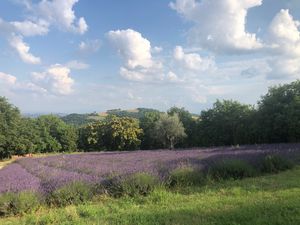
272,199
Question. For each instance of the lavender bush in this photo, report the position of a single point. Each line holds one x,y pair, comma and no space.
50,173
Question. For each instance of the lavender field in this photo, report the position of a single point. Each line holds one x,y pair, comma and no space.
48,173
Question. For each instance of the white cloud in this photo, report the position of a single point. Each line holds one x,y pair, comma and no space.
10,83
89,46
219,25
61,14
284,38
77,65
29,28
7,79
135,50
55,80
23,49
192,61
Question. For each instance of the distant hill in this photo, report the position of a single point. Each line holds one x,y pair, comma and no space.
82,119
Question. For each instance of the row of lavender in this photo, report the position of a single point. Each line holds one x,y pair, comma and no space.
48,173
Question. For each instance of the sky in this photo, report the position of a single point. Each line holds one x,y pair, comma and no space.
85,56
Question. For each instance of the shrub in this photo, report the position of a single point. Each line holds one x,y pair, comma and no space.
18,203
73,193
185,176
275,163
231,169
112,186
133,185
139,184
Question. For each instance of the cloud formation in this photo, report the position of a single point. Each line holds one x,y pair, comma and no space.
61,14
135,51
192,61
219,25
284,38
17,43
56,80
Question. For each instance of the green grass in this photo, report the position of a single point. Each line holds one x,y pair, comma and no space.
271,199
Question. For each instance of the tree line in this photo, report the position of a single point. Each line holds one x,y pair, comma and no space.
275,119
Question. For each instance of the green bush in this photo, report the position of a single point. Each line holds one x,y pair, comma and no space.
139,184
231,169
73,193
18,203
133,185
112,186
185,176
275,164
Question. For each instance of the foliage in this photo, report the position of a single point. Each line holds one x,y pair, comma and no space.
190,126
186,176
227,123
9,121
139,184
168,130
113,133
73,193
231,169
279,114
134,113
18,203
77,119
131,185
56,135
147,124
275,163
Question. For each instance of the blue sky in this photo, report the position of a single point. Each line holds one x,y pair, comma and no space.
78,56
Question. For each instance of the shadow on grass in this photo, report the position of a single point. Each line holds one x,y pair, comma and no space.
260,212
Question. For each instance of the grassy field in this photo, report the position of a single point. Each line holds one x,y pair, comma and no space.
271,199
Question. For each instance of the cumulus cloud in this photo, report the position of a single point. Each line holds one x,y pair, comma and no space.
61,14
135,51
284,39
133,48
42,15
30,28
23,49
219,25
56,80
192,61
9,82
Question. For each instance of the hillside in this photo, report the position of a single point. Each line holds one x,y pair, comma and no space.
81,119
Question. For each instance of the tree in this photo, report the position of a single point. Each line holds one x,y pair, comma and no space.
147,123
56,135
168,130
29,140
114,133
9,121
189,124
279,114
227,123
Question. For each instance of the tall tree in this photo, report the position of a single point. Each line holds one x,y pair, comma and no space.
227,123
147,123
10,119
279,114
114,133
190,126
168,130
